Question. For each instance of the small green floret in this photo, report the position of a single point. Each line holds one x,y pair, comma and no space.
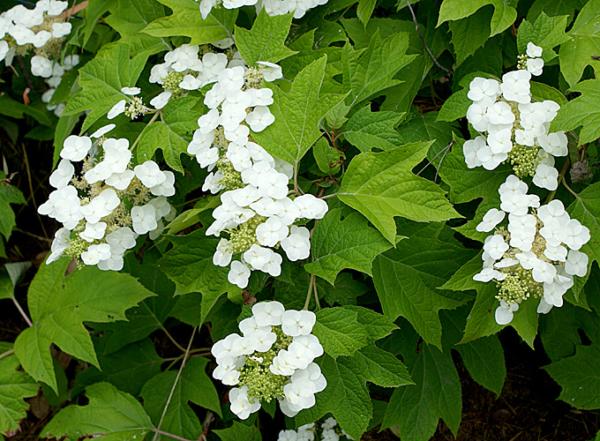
524,160
518,286
261,382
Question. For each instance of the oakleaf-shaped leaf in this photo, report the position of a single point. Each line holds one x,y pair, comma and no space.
101,81
339,331
111,415
193,386
370,71
266,40
344,243
578,53
189,265
59,305
407,279
581,112
579,377
546,32
187,21
129,17
367,130
382,186
128,368
297,113
436,394
15,386
347,395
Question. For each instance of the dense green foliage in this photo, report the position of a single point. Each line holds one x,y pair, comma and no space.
371,115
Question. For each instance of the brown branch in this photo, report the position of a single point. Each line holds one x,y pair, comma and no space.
75,9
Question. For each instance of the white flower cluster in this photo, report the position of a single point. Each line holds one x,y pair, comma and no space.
255,213
272,7
272,359
535,254
32,28
184,69
512,127
38,28
328,430
106,206
53,81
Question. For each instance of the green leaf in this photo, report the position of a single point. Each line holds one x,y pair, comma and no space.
59,305
186,21
381,368
339,331
368,72
579,378
581,112
339,243
586,209
407,279
546,32
367,130
554,8
462,279
111,415
193,386
504,12
266,40
469,184
170,134
16,109
426,127
481,321
9,194
382,186
377,325
94,11
436,394
189,265
239,432
130,17
560,331
191,217
575,55
297,114
365,10
146,318
15,386
484,359
101,81
469,34
455,107
346,397
127,369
